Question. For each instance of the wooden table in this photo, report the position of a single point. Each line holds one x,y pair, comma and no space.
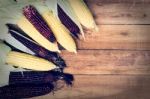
115,62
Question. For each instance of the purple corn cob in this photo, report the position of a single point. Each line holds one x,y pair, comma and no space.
30,77
66,21
39,77
38,22
40,51
19,91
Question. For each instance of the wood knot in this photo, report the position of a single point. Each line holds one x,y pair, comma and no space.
124,33
99,4
144,15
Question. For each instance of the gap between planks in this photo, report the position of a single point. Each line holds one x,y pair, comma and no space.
129,37
104,86
120,11
118,1
108,62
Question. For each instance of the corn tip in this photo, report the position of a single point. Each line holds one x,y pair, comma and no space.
54,67
75,52
83,37
58,51
96,29
82,33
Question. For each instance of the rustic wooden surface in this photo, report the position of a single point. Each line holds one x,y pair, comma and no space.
115,62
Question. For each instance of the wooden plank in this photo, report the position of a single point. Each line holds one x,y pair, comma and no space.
108,62
117,37
120,11
117,1
105,87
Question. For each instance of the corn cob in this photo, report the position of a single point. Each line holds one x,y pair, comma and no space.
54,6
15,16
61,33
28,61
83,14
37,49
15,44
64,4
29,29
19,91
40,77
38,22
29,77
66,20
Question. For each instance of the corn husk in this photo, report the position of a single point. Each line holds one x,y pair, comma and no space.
23,60
61,33
83,14
13,14
48,11
5,69
15,43
9,14
37,49
27,61
52,5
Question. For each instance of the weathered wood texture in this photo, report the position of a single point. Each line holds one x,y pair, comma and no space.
108,62
134,37
105,87
123,24
115,62
120,11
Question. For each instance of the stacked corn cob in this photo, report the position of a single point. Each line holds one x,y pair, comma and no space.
35,48
33,84
83,14
24,60
39,82
35,27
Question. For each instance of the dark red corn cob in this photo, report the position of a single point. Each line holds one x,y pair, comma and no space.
37,49
39,77
38,22
19,91
66,21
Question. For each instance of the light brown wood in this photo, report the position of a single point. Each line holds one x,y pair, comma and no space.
120,11
105,87
117,1
108,62
135,37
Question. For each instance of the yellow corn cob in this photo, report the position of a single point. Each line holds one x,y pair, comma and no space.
28,61
83,14
28,28
61,33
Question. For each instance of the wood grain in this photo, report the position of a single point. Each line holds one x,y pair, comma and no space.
108,62
117,1
135,37
120,11
105,87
